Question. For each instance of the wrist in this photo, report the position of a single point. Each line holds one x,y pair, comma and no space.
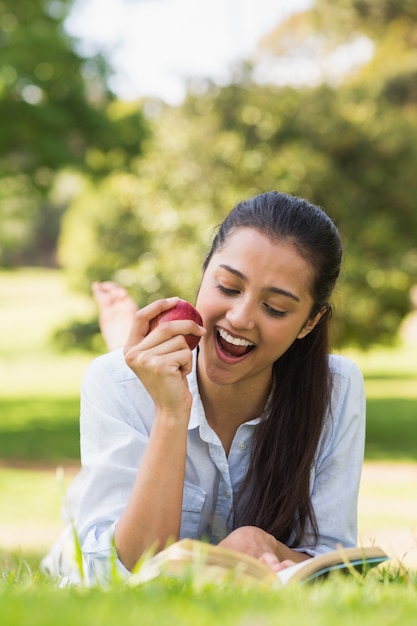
172,420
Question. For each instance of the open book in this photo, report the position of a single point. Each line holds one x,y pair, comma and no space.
191,558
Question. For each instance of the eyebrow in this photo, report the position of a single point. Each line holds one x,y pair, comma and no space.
277,290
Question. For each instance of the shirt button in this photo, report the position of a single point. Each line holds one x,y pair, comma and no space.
228,494
242,445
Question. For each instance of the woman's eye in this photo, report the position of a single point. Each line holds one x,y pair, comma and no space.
226,290
274,312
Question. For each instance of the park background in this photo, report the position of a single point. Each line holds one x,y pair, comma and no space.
94,186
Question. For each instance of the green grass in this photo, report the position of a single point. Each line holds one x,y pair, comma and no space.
46,428
381,599
39,428
391,392
391,429
29,505
39,394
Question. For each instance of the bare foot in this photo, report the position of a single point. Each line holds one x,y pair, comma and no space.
116,312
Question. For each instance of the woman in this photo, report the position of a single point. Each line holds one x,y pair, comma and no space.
255,439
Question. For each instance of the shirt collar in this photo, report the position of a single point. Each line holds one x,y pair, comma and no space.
198,417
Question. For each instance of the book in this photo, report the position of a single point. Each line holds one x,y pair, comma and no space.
193,558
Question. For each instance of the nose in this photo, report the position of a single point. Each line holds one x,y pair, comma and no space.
241,314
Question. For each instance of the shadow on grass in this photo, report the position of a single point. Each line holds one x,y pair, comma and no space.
47,429
391,429
39,429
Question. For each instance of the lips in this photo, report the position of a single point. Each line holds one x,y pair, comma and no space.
233,346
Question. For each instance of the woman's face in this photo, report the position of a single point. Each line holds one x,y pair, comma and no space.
255,301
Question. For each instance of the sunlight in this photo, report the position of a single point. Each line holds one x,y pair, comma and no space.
154,46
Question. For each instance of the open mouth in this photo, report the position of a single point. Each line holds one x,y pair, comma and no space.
233,346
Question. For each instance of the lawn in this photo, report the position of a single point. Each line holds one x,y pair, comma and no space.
39,399
391,392
336,601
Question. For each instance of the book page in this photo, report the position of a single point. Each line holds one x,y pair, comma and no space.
285,574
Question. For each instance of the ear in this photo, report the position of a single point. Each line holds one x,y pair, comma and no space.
311,323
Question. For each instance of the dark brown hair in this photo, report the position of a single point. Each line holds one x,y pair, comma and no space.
275,494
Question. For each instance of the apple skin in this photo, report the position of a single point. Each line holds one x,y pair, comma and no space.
183,310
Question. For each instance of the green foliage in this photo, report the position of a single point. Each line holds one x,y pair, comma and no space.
103,224
371,13
81,335
59,114
57,102
148,229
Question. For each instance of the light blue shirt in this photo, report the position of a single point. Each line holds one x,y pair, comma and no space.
116,420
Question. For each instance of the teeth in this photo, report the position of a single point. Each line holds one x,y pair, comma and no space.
236,341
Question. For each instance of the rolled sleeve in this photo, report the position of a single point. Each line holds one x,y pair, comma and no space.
100,560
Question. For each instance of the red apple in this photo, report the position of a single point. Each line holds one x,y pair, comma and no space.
183,310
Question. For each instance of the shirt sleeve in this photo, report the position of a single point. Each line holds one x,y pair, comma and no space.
336,476
113,441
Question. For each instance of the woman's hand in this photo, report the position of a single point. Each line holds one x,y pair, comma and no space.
261,545
274,563
161,358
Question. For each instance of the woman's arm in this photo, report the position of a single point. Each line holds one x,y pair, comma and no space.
147,513
161,360
152,516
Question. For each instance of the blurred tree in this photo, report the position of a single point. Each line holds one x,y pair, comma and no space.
348,145
159,217
365,122
364,15
56,112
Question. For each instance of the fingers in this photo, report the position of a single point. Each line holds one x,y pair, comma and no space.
143,317
161,358
182,329
165,330
271,559
164,350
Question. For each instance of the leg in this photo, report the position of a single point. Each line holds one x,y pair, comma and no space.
116,312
